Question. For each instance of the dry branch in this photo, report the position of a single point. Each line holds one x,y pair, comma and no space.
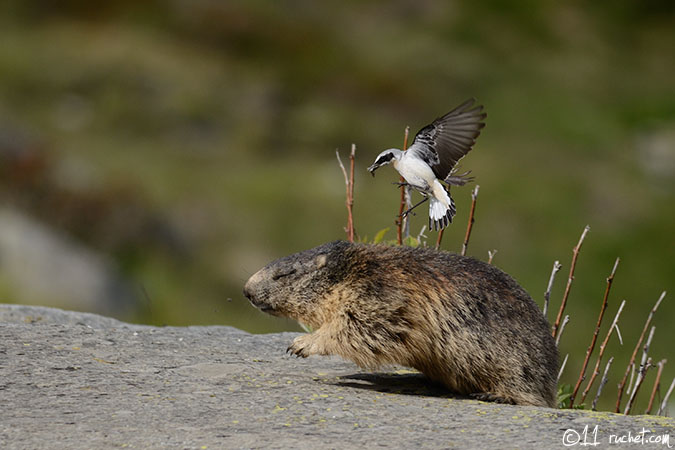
603,382
349,183
405,198
645,363
664,403
562,367
591,346
622,385
596,370
562,328
657,381
469,226
547,294
640,379
439,238
645,350
632,377
491,255
570,278
618,333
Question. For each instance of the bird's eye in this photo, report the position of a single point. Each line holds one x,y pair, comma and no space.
279,275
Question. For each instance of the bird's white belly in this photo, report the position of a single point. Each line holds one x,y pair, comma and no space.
416,172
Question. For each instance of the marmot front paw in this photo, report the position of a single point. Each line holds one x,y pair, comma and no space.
301,346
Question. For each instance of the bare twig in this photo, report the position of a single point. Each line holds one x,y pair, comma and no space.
594,339
439,238
349,184
491,255
645,364
474,196
657,381
562,367
547,294
618,333
405,198
562,328
422,235
352,157
570,278
603,382
408,205
342,166
645,350
632,377
664,403
637,347
596,370
640,379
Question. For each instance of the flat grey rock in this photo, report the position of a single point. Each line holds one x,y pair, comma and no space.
80,381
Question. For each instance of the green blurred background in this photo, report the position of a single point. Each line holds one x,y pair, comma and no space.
168,150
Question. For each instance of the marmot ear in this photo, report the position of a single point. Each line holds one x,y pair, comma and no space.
321,261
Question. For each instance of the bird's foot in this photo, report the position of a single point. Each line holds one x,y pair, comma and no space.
405,214
408,211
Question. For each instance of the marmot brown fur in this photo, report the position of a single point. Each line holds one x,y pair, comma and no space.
460,321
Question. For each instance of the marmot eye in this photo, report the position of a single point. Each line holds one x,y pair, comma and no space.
276,276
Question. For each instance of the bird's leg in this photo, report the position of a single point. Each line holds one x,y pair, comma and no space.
400,183
405,213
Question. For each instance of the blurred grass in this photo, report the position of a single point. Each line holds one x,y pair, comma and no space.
225,118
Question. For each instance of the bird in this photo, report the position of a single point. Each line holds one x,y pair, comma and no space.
432,159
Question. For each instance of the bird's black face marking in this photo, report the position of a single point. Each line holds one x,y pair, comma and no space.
380,161
384,159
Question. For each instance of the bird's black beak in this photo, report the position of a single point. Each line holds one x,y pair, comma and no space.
372,169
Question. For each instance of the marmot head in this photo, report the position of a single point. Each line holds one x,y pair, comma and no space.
293,286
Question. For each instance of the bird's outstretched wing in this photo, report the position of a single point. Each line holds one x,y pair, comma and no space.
447,139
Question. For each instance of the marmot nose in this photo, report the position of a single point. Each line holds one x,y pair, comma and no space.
247,292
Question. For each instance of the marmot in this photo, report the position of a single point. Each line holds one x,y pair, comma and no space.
460,321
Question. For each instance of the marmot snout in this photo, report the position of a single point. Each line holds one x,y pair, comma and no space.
458,320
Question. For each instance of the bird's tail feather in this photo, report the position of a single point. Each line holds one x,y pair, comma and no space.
440,216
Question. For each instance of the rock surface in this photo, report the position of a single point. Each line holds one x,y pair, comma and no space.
79,381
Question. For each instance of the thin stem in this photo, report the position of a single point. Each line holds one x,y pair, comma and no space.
422,235
603,382
469,226
645,364
350,200
632,377
439,238
405,198
547,294
594,339
491,255
645,350
664,403
570,278
562,328
562,367
637,347
640,379
657,381
596,369
349,186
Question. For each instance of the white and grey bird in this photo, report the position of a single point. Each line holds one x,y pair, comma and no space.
432,159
